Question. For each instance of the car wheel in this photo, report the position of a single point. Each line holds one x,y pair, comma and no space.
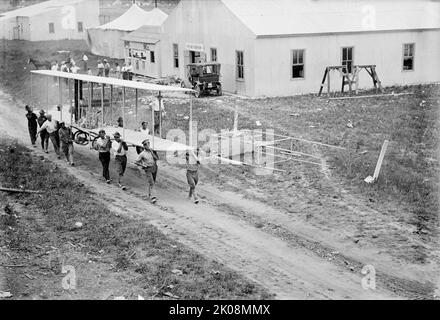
219,89
198,91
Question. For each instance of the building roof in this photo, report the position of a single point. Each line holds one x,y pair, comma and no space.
37,9
134,18
268,18
145,34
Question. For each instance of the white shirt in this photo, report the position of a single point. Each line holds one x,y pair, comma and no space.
146,131
85,58
50,126
118,145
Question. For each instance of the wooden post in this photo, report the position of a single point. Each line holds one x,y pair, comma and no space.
70,101
190,120
60,97
47,92
160,114
380,160
111,103
102,105
136,107
152,124
328,83
31,87
90,100
123,112
322,82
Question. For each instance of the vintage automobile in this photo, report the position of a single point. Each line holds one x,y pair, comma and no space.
203,78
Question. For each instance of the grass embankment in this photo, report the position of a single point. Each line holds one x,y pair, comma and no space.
127,245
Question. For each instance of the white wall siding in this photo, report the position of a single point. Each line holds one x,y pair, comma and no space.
384,49
209,23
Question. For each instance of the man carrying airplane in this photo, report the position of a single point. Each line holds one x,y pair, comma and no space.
147,160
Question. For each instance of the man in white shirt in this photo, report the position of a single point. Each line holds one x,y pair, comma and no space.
143,129
85,59
121,149
51,126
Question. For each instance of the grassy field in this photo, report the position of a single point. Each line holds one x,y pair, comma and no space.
125,245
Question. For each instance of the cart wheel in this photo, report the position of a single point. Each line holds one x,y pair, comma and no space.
219,89
198,91
81,137
95,139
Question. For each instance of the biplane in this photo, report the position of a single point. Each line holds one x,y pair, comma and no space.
87,115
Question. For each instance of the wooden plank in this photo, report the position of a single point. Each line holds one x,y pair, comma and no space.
19,190
380,160
323,81
371,96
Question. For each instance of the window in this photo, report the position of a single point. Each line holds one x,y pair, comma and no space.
176,55
347,58
297,64
51,27
137,64
240,65
152,58
213,54
143,65
408,56
80,27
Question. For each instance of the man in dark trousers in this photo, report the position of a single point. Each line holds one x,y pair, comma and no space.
66,142
44,135
32,124
103,145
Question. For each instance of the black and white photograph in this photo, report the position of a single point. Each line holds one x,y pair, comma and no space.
190,152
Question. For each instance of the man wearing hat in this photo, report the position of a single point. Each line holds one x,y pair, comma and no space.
106,68
147,160
52,128
44,135
120,157
66,142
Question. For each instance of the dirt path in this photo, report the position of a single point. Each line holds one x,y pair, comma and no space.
217,227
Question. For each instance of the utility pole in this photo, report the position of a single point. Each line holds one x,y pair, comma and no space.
155,3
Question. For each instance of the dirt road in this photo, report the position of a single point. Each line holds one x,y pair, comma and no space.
243,234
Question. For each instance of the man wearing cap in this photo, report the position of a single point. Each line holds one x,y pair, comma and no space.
147,160
51,127
120,157
44,135
103,145
66,142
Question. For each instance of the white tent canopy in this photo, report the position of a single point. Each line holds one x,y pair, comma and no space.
106,40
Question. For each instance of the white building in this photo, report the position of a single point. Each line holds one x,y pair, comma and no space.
142,49
106,40
50,20
282,47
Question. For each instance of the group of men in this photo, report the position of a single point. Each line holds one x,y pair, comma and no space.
61,137
47,128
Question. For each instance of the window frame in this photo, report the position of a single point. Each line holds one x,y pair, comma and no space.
51,28
413,56
152,57
78,24
216,56
303,64
176,63
352,57
237,65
